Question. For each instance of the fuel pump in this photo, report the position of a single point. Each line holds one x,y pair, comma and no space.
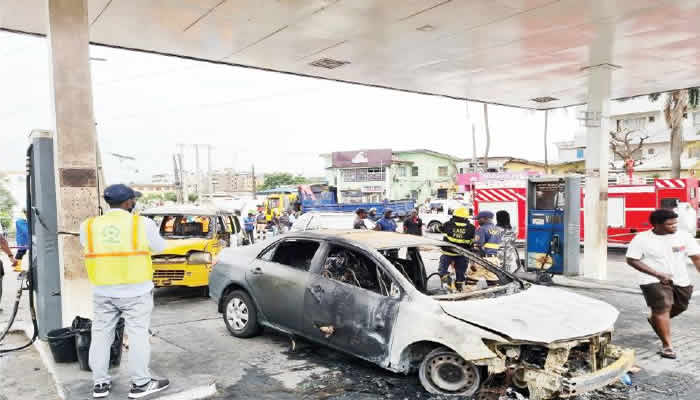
553,220
43,276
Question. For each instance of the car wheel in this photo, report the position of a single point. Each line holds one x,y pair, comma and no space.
435,227
445,373
240,315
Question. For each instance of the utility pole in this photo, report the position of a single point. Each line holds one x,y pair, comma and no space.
199,172
122,159
254,183
178,180
546,161
474,169
210,186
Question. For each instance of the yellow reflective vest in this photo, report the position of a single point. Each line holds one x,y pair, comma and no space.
116,250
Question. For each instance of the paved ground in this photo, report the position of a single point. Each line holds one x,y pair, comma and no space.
191,343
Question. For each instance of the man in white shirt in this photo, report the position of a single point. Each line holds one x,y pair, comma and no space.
660,256
118,247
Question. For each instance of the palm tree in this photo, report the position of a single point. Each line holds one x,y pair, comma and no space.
488,137
677,103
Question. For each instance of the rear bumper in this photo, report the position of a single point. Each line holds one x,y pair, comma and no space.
547,383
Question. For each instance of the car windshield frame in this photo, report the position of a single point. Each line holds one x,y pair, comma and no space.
507,283
172,236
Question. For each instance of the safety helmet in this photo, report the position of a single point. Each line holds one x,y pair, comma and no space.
461,212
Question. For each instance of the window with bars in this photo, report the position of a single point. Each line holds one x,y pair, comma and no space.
442,171
632,123
402,171
363,175
414,171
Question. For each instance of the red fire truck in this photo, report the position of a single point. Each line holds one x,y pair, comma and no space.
629,205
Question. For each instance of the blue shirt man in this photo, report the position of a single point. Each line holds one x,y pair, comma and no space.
249,223
488,237
387,223
22,233
22,238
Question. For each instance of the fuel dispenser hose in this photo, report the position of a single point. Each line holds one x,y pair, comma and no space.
27,280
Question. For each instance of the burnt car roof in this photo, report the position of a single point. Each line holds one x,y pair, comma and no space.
374,239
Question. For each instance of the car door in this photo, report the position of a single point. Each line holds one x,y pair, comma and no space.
278,279
353,315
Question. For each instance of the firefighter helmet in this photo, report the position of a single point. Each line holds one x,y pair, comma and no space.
461,212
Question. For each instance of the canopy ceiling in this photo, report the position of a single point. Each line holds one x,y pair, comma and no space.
498,51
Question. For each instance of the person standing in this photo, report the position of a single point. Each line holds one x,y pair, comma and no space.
488,237
261,222
387,223
117,248
284,222
359,222
6,249
460,232
249,224
372,215
22,238
413,225
660,255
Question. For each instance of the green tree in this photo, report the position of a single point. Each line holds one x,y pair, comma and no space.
170,196
192,197
675,107
7,203
278,179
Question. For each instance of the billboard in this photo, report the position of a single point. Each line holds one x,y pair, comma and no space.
361,158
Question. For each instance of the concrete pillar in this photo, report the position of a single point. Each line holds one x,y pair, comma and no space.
596,189
75,145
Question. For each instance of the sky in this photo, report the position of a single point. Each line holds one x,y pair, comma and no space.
146,104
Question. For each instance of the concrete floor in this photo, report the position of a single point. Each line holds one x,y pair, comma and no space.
192,346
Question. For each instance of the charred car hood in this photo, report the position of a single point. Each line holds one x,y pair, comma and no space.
538,314
183,246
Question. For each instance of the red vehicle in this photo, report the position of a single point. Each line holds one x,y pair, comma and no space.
629,206
509,195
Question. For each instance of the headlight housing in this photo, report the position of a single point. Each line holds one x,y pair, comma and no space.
199,257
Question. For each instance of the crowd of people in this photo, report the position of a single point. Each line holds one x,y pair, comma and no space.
257,225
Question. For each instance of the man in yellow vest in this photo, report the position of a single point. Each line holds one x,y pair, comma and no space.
117,248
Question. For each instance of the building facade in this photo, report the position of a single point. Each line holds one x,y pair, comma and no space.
230,181
382,174
645,119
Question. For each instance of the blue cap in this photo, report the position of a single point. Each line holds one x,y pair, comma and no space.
119,193
485,214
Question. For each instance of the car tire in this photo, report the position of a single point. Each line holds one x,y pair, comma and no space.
444,372
240,315
435,227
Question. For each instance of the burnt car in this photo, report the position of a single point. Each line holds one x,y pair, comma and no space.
372,294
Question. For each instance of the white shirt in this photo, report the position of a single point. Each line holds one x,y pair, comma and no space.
156,244
667,254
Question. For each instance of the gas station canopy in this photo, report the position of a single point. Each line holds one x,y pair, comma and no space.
499,51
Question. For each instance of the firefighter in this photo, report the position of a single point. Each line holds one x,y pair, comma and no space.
489,237
458,231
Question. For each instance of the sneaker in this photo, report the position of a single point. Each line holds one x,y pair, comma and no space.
101,390
154,386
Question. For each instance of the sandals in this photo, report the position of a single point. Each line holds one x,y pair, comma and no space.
667,352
